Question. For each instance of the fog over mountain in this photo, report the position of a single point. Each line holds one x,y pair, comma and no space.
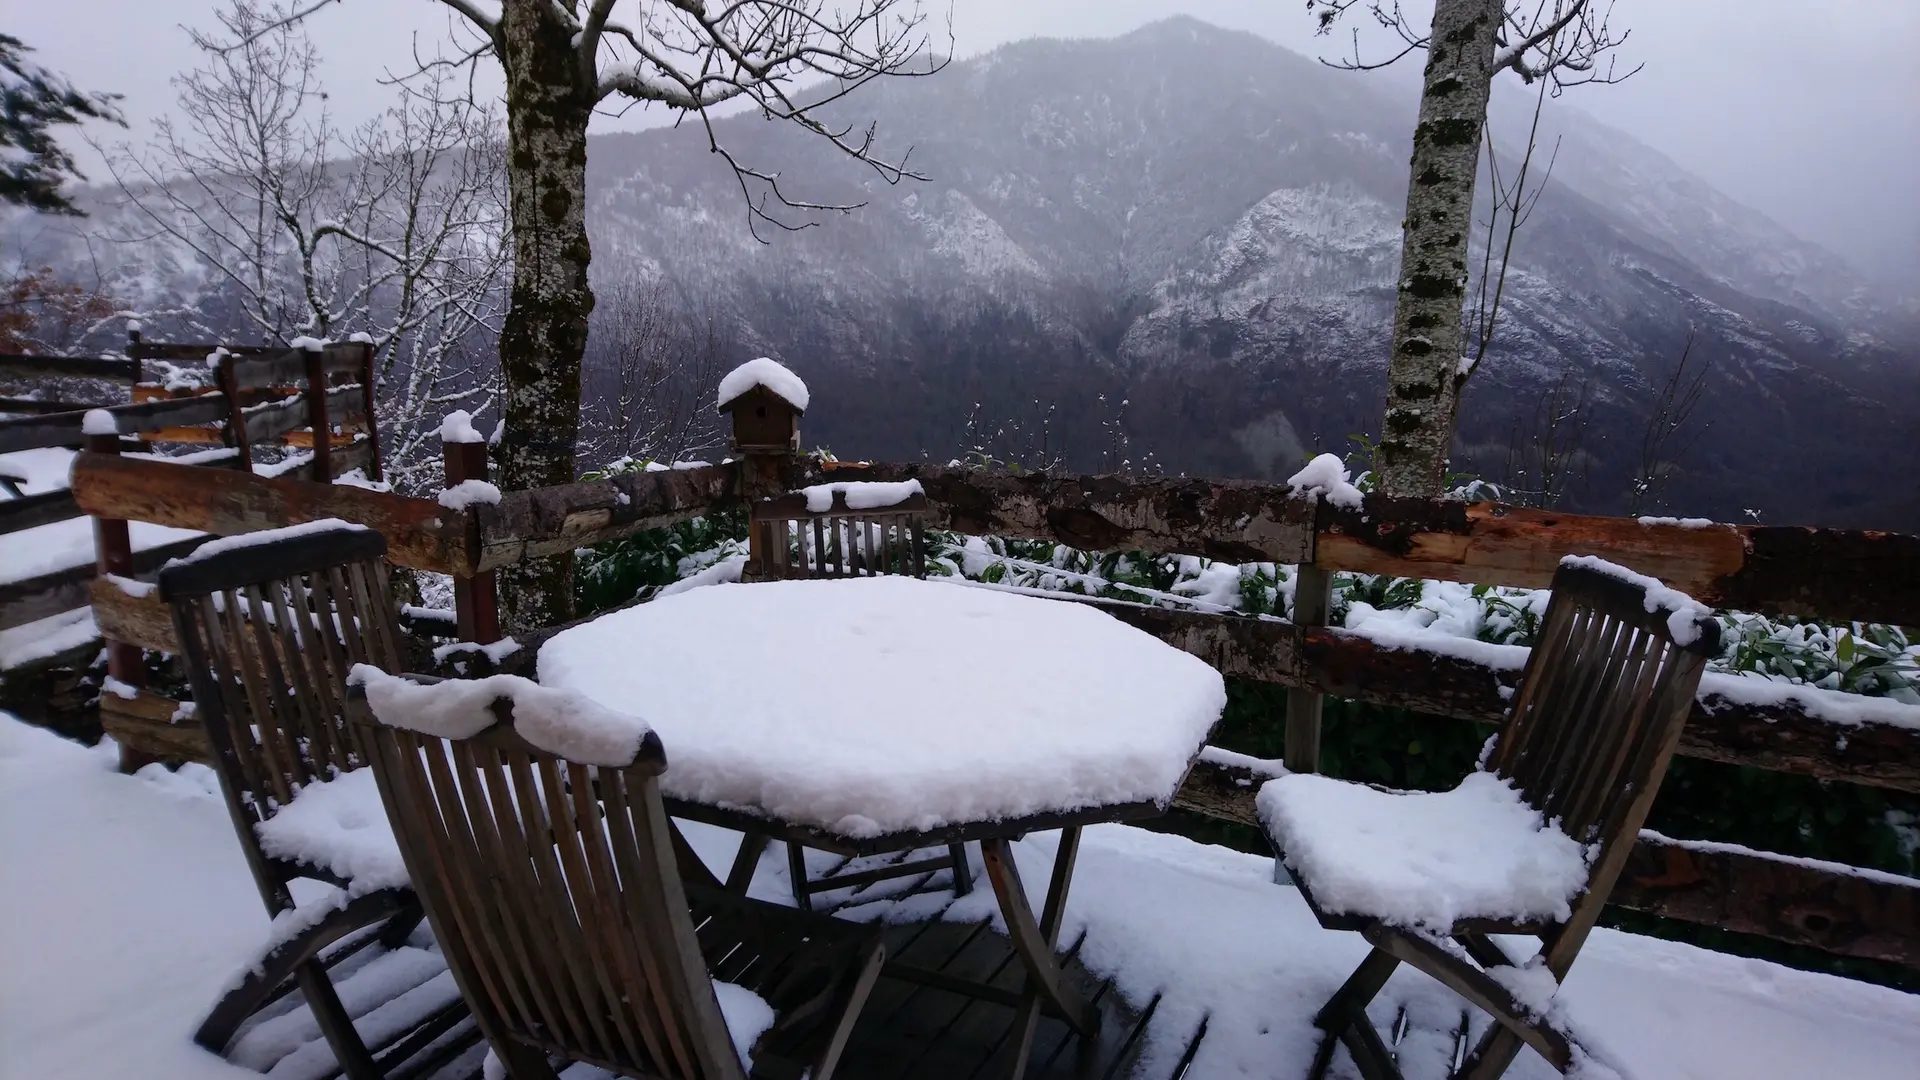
1205,226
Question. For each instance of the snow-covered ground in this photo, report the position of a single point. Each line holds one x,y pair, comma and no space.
125,906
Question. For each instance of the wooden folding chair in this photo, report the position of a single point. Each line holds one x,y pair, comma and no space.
269,627
553,889
790,541
1596,717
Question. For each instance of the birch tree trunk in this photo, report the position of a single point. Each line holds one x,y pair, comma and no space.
549,100
1423,373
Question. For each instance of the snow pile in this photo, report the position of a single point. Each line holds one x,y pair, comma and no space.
1093,713
748,1017
1684,613
570,725
144,905
860,494
457,427
766,372
341,826
307,344
225,544
1327,476
469,493
1679,522
1423,859
724,572
99,422
494,651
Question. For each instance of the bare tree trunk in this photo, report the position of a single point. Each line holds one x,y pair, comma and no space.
549,99
1424,373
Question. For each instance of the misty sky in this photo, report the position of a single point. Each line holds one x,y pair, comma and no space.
1807,111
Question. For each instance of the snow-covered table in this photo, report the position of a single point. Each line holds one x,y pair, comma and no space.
877,714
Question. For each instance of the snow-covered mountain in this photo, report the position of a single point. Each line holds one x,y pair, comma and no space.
1206,225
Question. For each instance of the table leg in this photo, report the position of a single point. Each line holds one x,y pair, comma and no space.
745,861
1034,941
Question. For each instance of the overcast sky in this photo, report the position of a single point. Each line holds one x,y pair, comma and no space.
1807,111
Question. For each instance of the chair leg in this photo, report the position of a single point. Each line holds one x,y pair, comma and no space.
797,869
962,871
850,1006
401,926
523,1062
1345,1013
335,1025
1490,1058
285,962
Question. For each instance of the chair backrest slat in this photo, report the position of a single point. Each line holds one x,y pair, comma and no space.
1599,711
554,893
795,542
266,630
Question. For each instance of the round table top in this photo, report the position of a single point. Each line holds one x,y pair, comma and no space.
872,706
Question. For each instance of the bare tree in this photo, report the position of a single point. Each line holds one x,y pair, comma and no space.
1469,43
788,60
1545,451
395,230
1667,437
653,370
1512,203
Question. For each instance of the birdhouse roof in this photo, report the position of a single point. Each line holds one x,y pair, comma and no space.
764,373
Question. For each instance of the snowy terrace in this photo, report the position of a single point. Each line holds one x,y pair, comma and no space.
141,909
1201,965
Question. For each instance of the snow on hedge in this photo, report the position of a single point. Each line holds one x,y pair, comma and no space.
766,372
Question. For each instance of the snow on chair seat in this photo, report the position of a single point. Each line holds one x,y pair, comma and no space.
1424,859
1532,844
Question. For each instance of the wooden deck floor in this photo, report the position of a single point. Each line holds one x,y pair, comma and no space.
908,1031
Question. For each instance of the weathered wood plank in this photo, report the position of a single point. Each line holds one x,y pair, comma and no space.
36,407
547,521
32,599
420,532
1234,520
1836,574
149,727
65,429
135,616
272,419
31,511
14,367
1829,908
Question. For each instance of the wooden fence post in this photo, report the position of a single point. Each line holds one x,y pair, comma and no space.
236,418
476,601
317,418
113,554
367,395
1312,595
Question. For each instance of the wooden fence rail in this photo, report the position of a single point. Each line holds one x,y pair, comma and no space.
1837,574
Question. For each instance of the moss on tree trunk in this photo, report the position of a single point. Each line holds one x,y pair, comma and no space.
1423,372
549,100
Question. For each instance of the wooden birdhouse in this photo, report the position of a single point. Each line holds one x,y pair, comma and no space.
766,402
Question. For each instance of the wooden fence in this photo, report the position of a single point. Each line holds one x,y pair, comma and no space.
1834,574
294,397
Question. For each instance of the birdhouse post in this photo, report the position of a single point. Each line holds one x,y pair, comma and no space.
765,401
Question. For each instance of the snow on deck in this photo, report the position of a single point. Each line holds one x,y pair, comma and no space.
141,908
